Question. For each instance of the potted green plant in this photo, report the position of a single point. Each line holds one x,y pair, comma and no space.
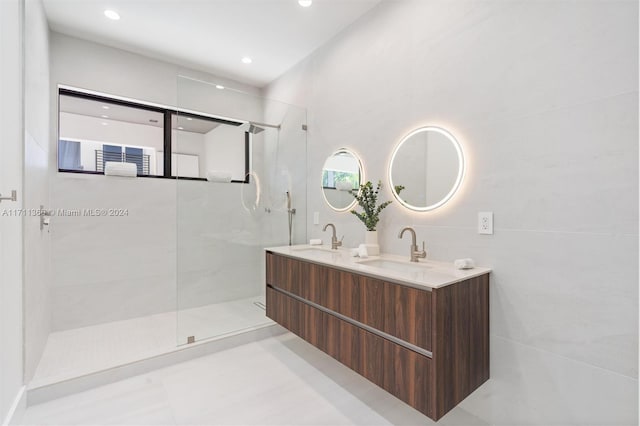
367,198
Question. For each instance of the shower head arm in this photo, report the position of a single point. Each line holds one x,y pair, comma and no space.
273,126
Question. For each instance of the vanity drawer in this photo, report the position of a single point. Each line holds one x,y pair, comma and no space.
408,314
287,274
407,375
400,371
299,318
285,311
331,288
400,311
343,293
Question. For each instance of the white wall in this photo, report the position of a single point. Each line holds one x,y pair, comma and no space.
543,97
37,243
224,151
188,143
93,66
11,167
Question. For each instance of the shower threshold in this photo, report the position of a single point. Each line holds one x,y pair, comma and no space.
83,358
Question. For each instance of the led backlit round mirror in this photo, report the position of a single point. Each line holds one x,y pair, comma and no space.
341,174
426,168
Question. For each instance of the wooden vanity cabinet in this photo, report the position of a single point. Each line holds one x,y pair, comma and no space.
428,348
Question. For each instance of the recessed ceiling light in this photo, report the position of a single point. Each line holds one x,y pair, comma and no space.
104,116
105,107
180,128
105,124
246,60
219,86
111,14
189,118
305,3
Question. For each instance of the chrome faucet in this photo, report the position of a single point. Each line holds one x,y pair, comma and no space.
415,253
334,240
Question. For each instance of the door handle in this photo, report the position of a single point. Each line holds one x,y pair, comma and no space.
14,196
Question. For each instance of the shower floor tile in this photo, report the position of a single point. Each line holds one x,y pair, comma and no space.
77,352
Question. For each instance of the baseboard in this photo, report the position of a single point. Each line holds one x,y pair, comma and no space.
38,395
16,412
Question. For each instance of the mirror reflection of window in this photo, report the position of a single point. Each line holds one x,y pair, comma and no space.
93,132
342,172
69,157
220,148
204,147
341,175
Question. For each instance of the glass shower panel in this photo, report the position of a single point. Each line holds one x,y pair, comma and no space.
235,156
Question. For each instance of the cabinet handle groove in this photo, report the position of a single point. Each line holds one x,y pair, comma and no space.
351,321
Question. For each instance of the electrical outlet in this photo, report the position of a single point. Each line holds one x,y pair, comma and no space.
316,218
485,223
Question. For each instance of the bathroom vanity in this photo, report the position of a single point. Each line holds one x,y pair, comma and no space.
418,330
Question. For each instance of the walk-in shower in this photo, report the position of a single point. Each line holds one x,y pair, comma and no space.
185,265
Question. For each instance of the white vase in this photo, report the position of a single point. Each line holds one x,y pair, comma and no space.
371,237
371,243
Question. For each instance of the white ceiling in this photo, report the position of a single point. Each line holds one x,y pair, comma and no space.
212,35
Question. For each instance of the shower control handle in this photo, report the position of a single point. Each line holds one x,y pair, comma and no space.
44,217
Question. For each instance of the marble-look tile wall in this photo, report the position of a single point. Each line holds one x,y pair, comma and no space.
11,232
543,97
112,268
184,242
37,243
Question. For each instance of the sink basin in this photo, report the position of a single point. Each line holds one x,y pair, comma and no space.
325,254
313,250
395,266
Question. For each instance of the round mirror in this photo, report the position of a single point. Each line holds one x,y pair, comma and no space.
341,175
426,168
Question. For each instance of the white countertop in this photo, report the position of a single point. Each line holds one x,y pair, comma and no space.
427,274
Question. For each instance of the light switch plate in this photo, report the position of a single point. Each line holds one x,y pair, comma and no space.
485,223
316,218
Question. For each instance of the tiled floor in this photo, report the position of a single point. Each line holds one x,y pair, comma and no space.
73,353
285,381
280,380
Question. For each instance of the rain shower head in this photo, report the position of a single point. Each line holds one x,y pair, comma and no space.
255,128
